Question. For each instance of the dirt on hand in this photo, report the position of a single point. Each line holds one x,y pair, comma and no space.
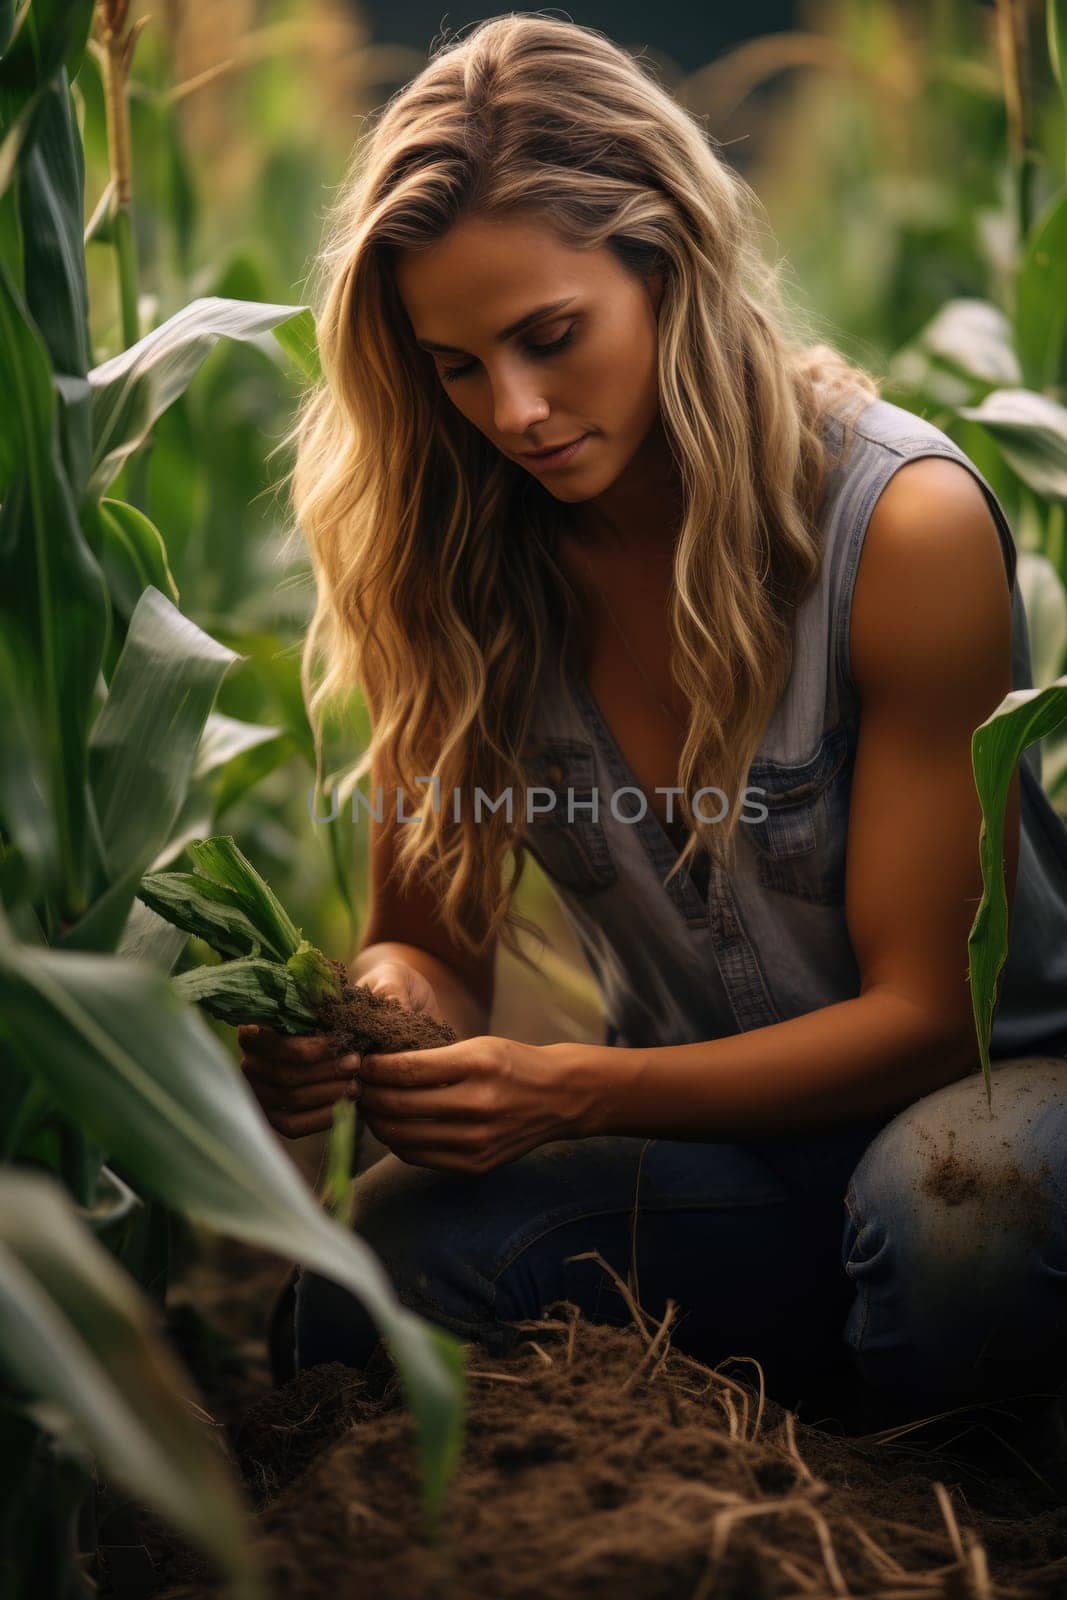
370,1024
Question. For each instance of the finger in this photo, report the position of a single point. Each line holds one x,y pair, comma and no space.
436,1159
297,1125
387,991
441,1064
284,1074
303,1048
460,1138
304,1096
378,985
451,1103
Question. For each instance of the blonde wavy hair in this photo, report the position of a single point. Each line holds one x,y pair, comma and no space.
430,548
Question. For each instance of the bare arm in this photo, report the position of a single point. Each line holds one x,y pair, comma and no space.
405,927
931,654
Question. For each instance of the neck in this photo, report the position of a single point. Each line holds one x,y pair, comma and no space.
641,512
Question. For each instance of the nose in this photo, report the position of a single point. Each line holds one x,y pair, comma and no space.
518,404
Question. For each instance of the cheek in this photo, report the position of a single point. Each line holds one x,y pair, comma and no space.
624,376
478,412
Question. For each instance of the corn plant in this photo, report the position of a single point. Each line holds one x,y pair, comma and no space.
1003,371
269,973
113,1088
996,747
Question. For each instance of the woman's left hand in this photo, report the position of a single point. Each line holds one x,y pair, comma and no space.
465,1107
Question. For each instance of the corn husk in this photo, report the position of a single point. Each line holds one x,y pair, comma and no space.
270,974
224,901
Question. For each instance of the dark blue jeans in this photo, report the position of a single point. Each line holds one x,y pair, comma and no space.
928,1248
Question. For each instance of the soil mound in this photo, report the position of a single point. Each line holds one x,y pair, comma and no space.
600,1461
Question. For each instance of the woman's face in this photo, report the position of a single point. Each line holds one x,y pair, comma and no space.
587,367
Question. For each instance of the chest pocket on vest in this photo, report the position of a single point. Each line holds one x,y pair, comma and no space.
800,846
576,854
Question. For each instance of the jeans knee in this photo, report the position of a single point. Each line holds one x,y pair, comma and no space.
412,1219
954,1180
956,1230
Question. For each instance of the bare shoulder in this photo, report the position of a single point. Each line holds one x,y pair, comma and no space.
932,587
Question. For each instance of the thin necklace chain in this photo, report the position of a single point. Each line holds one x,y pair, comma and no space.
629,650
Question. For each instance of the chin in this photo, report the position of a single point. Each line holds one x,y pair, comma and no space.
573,498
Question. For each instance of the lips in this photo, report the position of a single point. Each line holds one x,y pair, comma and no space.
539,455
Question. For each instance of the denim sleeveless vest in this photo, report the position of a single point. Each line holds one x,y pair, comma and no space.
719,953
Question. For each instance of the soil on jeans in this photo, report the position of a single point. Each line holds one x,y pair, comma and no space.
1020,1198
600,1460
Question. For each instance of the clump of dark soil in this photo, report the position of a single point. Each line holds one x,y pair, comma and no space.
283,1432
601,1461
361,1021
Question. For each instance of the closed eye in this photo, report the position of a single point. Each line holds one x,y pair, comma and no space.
450,374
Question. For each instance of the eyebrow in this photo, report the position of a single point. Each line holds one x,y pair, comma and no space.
505,333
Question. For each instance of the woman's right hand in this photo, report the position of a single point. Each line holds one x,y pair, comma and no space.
298,1078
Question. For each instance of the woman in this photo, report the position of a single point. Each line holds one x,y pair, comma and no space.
752,580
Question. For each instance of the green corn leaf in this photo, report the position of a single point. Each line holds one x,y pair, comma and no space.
145,741
1031,430
1040,303
81,1340
53,601
44,1482
51,193
24,815
151,938
182,203
237,914
143,748
1022,717
298,338
1056,22
12,250
974,337
224,738
53,605
202,907
232,756
224,902
144,1075
135,387
1045,603
220,859
51,34
340,1159
251,989
132,554
248,768
315,976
